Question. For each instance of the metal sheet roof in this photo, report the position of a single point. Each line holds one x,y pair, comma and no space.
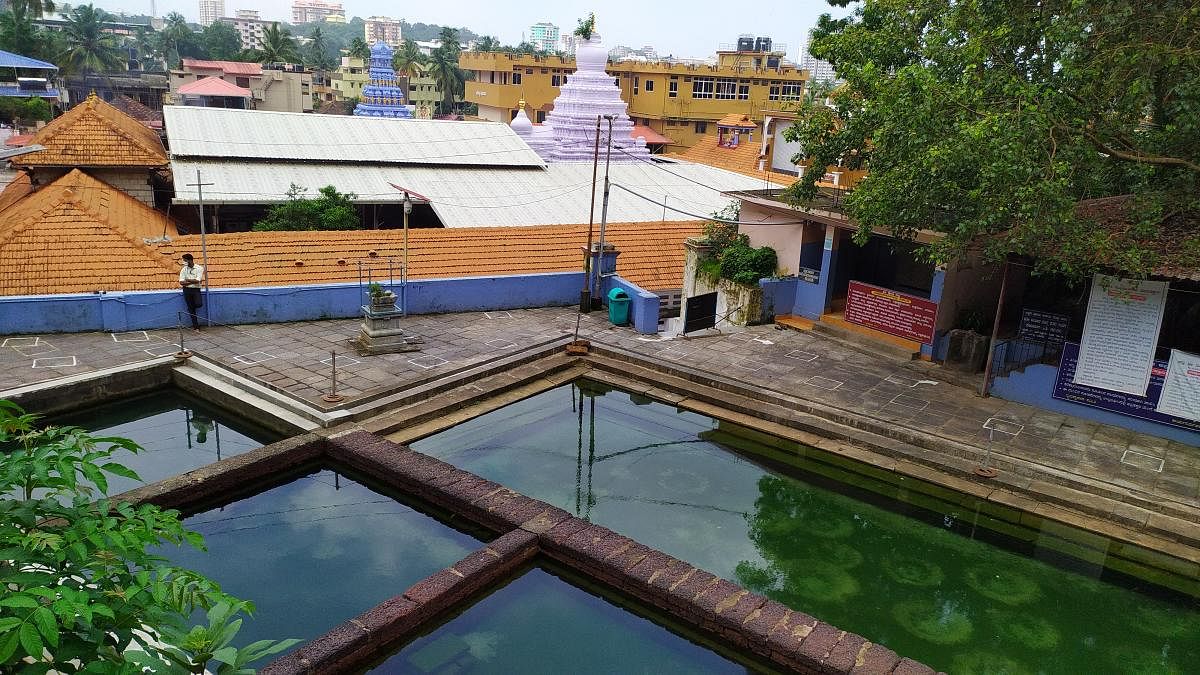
11,60
478,197
280,136
16,91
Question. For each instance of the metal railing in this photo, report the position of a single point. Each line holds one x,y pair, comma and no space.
1014,353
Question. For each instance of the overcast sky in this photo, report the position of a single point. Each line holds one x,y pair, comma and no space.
679,27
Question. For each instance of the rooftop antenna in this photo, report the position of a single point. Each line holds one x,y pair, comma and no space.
153,9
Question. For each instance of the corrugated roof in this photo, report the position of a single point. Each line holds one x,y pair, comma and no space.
78,235
478,197
138,111
11,60
280,136
227,67
213,86
651,253
14,90
94,133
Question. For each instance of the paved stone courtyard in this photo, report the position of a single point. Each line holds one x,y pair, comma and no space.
295,357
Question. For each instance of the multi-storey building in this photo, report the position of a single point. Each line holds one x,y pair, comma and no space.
335,18
818,70
387,29
350,77
279,87
249,27
313,11
211,10
544,36
681,101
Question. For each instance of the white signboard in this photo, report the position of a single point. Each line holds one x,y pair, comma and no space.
1120,333
1181,388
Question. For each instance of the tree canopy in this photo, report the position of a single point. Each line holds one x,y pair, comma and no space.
329,210
990,122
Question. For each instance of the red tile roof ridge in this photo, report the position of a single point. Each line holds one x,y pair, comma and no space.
136,133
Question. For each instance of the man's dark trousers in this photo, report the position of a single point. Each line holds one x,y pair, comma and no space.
191,296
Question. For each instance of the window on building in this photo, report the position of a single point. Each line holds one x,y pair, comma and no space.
744,92
512,115
243,82
649,85
791,91
529,71
541,116
702,87
726,88
516,79
556,80
635,85
701,127
672,89
773,92
617,81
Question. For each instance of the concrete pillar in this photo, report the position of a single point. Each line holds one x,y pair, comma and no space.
829,262
935,295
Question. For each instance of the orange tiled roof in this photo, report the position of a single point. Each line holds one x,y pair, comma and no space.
95,133
651,253
743,159
15,190
78,235
737,120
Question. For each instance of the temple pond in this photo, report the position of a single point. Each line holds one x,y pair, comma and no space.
177,432
928,578
541,623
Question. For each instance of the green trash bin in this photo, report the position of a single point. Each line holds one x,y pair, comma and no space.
618,307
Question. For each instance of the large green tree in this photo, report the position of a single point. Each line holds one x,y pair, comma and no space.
329,210
990,121
359,49
317,53
18,34
278,46
35,8
90,49
443,67
408,59
220,41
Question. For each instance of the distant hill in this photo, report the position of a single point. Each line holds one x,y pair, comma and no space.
339,35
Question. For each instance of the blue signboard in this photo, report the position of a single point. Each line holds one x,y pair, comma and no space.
1114,401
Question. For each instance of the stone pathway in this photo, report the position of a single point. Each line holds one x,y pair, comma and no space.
294,357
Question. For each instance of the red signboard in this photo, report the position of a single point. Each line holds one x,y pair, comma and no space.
885,310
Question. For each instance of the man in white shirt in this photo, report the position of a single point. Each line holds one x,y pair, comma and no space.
190,279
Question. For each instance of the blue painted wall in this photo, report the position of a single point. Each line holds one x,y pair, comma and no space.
935,295
643,307
779,296
160,309
1033,387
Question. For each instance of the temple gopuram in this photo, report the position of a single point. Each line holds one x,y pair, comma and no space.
383,96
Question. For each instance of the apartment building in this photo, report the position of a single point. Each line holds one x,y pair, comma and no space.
313,11
278,87
377,28
679,100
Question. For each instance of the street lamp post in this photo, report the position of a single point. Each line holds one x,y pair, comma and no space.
404,273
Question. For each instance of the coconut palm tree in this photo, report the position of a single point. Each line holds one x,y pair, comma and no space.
408,59
33,8
450,78
174,38
359,49
448,41
278,46
487,43
89,48
17,32
318,49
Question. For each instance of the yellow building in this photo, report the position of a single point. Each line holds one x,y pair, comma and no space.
681,101
350,78
423,91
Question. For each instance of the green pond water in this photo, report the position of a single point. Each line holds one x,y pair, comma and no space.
177,432
539,623
317,551
927,581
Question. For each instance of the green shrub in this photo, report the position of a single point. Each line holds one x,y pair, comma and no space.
742,264
330,210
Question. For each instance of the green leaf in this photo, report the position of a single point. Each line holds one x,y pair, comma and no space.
8,623
120,470
31,642
18,601
8,645
46,624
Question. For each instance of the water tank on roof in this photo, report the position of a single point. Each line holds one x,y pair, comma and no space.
745,43
762,44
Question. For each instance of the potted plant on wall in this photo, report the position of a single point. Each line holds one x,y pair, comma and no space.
381,299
